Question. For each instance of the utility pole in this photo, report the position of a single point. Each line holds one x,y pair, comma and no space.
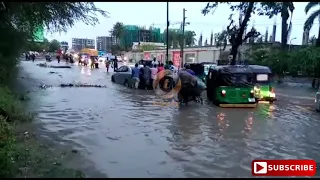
183,25
167,50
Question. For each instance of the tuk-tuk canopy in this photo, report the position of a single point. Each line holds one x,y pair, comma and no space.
260,69
91,52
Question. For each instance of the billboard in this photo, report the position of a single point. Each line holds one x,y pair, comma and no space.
38,35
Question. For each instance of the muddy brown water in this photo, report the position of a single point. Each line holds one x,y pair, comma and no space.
126,134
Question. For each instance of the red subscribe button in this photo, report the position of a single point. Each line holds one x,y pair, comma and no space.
283,167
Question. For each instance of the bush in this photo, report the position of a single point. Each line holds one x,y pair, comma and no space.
10,111
299,61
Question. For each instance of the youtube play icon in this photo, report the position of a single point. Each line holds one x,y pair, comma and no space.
260,168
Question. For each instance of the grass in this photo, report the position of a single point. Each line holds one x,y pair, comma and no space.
21,153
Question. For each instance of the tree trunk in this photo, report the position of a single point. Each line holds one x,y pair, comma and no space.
234,52
238,40
284,26
318,40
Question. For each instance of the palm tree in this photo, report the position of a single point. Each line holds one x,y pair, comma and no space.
118,31
190,38
316,14
287,9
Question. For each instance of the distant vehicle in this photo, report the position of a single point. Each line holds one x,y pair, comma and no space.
317,101
262,83
122,76
104,58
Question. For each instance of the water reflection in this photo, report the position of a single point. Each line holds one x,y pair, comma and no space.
127,135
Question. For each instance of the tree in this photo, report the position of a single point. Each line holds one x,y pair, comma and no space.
147,47
190,38
260,39
19,21
221,39
173,38
286,9
234,31
54,45
312,40
116,49
316,14
118,32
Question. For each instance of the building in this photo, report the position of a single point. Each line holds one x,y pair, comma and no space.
104,43
81,43
140,34
190,54
64,46
155,45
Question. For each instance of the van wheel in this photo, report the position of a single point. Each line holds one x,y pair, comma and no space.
112,79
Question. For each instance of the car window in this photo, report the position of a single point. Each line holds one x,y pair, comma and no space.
123,69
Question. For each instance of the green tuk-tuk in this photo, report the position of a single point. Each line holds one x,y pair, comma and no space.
262,83
198,69
230,86
207,66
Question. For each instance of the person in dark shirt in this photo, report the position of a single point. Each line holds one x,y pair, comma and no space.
142,83
187,66
115,63
33,56
135,76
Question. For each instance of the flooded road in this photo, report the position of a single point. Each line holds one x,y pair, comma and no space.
125,134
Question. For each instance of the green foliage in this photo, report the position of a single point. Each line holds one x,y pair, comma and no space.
300,61
147,47
234,33
54,45
175,38
18,22
286,9
312,17
10,111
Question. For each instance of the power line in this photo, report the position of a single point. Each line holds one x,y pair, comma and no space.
261,23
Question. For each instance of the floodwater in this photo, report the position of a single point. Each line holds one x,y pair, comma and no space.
126,134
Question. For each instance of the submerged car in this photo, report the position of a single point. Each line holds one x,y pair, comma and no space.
317,101
122,75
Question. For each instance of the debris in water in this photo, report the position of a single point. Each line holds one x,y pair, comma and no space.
74,151
43,86
49,66
82,85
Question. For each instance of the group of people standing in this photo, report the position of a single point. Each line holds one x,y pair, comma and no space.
31,56
144,77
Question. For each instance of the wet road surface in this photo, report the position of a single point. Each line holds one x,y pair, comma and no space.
125,134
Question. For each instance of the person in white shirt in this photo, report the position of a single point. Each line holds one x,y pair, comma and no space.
155,62
154,72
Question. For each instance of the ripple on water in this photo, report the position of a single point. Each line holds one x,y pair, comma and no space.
124,130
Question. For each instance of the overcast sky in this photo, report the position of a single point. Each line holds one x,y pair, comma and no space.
149,13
